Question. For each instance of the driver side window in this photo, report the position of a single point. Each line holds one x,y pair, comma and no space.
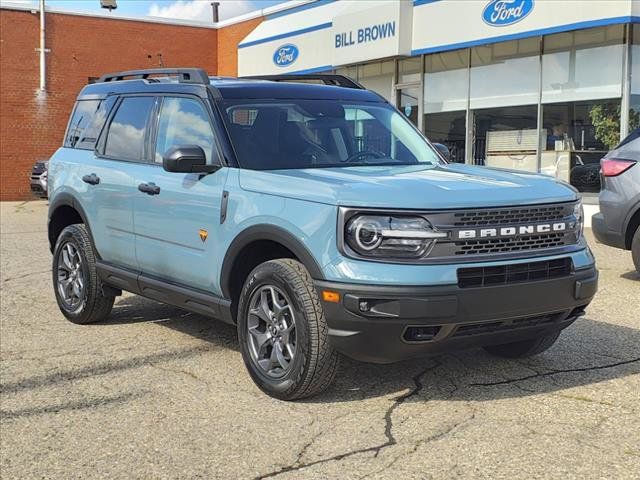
183,121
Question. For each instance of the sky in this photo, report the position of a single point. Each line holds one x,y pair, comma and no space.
176,9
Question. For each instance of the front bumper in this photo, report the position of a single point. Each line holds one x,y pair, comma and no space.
383,324
604,235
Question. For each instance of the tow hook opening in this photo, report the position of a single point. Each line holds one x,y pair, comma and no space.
421,334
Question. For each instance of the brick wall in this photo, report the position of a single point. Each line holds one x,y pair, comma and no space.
228,39
32,125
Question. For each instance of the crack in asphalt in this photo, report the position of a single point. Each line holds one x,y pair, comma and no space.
101,369
554,372
24,275
388,431
424,441
78,405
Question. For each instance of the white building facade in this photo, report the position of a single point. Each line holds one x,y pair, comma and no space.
537,85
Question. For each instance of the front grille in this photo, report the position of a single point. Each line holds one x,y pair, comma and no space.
506,325
510,216
513,244
514,273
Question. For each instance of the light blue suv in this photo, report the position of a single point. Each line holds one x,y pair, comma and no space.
315,217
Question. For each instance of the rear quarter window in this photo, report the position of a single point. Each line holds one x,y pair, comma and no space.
87,120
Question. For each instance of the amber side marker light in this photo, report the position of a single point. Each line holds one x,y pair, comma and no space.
329,296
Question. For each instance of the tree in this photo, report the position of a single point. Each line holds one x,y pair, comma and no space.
605,118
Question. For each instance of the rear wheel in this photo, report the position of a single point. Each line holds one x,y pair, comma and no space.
75,280
635,249
524,348
283,333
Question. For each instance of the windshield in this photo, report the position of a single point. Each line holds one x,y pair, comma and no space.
281,134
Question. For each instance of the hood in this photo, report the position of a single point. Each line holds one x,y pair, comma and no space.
414,186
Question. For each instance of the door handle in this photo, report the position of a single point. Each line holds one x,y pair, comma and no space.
149,188
92,179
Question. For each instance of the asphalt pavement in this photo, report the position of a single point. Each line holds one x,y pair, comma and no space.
157,392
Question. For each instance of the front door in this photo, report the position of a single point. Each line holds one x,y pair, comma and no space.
177,218
108,177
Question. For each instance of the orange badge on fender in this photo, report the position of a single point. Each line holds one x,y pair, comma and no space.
203,234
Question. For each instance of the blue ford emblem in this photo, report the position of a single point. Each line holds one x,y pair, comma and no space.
501,13
285,55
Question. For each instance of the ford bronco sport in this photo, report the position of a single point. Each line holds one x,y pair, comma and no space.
315,217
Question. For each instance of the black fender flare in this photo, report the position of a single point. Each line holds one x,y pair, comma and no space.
274,234
61,200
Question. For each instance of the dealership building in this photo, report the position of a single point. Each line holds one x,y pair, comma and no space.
537,85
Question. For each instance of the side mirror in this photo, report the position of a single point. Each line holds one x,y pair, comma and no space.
187,159
443,150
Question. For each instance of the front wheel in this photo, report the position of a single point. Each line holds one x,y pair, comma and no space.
524,348
75,280
283,333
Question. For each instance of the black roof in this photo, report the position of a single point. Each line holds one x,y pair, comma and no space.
230,88
250,89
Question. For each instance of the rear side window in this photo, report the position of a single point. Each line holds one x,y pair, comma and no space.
83,113
126,135
87,121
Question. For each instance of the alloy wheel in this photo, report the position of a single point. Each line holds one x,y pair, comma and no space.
71,281
271,329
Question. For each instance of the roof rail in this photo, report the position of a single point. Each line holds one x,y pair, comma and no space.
185,75
327,79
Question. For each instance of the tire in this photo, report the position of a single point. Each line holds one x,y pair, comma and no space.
524,348
635,249
302,330
87,303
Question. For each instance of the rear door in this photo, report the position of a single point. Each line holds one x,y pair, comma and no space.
121,146
177,229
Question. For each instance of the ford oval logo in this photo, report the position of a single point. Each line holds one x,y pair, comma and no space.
285,55
500,13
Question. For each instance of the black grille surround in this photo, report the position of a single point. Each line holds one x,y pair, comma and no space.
507,216
454,250
514,273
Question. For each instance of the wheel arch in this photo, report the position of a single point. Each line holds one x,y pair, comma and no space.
265,235
64,210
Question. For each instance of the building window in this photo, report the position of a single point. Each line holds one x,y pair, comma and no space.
449,129
581,92
409,70
506,137
505,74
446,87
378,77
582,65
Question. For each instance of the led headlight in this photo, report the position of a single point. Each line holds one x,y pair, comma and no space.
391,236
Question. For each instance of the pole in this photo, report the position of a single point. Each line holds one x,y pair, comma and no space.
43,63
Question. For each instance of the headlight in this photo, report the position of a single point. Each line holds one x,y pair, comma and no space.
578,212
390,236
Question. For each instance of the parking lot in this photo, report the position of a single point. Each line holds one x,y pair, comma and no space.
157,392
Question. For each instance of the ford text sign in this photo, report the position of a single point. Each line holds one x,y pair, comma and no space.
285,55
500,13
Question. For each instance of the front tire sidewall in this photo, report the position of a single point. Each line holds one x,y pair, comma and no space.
95,306
279,387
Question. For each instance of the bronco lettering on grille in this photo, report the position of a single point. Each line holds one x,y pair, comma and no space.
513,231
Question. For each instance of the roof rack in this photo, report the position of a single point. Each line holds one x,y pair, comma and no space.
327,79
185,75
